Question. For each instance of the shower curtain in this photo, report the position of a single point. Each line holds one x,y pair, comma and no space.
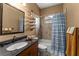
58,34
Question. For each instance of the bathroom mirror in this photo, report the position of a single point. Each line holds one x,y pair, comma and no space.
12,19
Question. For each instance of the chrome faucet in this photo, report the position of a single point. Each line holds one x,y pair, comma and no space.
13,38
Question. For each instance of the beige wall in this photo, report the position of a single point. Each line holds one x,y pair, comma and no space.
51,10
46,27
72,12
26,10
33,7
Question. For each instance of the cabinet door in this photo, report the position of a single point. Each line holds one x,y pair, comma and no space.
34,49
26,52
31,51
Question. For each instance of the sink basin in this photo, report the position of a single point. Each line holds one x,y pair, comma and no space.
16,46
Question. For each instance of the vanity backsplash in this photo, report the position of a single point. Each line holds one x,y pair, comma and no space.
9,37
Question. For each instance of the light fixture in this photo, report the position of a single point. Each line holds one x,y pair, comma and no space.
24,4
10,29
6,29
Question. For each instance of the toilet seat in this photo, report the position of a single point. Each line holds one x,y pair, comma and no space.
42,49
42,46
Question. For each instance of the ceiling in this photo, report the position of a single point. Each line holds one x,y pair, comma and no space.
45,5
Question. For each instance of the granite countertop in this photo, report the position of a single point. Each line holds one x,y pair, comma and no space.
4,52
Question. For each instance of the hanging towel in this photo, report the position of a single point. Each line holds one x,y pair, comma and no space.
68,45
71,44
58,34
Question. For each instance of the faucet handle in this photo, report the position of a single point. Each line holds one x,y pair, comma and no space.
13,38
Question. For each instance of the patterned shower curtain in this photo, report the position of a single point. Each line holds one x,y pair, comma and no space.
58,34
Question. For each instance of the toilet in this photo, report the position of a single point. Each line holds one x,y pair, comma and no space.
42,49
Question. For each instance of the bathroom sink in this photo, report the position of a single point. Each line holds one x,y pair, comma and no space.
16,46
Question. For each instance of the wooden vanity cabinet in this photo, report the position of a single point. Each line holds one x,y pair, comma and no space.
30,51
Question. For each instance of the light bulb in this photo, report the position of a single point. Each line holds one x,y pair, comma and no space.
24,4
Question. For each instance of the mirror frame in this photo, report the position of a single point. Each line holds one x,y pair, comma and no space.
1,20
